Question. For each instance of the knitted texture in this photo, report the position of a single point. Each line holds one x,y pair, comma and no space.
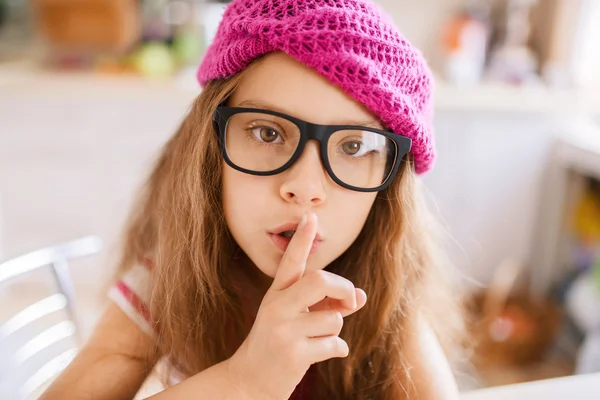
352,43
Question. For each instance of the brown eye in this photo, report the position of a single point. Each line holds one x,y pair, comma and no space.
266,134
351,148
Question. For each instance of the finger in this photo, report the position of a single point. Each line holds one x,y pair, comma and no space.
318,285
329,304
293,264
320,323
361,299
324,348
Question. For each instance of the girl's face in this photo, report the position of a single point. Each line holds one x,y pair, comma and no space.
257,208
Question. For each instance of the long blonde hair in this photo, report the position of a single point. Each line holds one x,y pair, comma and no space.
178,221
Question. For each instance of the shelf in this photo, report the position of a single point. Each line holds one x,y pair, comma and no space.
482,98
576,155
495,97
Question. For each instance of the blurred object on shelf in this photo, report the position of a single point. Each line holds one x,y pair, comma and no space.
585,226
583,306
3,12
16,28
154,25
188,47
151,38
586,57
581,286
566,37
154,59
213,13
188,44
465,43
89,26
511,328
553,37
524,42
172,37
511,59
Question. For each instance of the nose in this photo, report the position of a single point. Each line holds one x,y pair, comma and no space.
305,182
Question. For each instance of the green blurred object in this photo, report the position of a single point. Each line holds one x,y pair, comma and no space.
154,59
3,9
187,47
596,274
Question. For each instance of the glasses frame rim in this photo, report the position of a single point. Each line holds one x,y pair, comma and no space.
308,131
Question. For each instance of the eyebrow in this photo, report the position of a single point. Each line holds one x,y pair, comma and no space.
267,106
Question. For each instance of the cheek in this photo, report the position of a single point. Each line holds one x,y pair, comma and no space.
243,198
351,212
232,195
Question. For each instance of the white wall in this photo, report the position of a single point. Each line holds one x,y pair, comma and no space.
487,183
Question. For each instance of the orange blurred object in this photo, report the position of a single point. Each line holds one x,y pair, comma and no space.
454,32
511,327
89,25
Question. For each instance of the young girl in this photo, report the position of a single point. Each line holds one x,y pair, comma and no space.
280,248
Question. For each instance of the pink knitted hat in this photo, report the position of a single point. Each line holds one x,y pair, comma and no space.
350,42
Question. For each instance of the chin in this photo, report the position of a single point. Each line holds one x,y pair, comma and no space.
266,265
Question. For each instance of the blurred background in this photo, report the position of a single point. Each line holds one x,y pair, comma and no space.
91,89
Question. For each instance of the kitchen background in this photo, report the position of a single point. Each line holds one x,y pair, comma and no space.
90,90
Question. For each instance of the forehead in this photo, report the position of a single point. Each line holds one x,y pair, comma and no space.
297,90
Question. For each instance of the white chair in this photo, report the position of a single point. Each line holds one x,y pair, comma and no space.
39,341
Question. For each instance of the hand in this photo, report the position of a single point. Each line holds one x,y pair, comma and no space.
287,338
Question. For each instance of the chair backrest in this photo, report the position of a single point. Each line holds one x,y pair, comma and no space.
39,340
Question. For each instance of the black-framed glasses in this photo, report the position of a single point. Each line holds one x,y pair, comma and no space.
264,142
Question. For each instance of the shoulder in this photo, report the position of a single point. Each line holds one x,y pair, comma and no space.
431,373
132,294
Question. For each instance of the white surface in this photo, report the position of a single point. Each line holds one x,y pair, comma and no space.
581,387
583,303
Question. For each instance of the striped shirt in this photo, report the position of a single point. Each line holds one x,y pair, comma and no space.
132,295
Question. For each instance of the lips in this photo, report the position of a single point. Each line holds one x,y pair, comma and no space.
282,236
